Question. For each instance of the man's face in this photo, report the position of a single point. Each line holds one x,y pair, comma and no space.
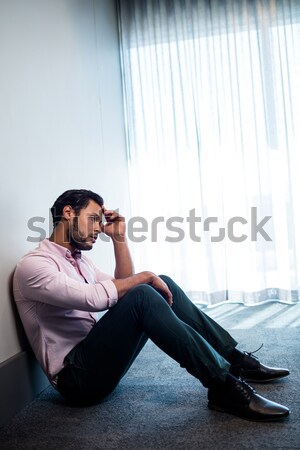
85,227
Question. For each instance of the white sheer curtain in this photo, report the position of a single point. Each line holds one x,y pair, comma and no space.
212,102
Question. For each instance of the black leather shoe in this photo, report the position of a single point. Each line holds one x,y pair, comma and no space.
250,369
243,401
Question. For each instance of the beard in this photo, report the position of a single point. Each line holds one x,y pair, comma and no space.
77,240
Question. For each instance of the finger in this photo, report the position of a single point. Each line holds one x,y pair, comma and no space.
108,211
103,227
106,227
108,214
170,299
113,216
168,295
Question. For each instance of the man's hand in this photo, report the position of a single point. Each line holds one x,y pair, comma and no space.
123,285
159,285
115,226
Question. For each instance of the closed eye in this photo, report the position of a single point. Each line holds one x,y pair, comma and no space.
95,218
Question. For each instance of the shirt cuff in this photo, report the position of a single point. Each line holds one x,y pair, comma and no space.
112,293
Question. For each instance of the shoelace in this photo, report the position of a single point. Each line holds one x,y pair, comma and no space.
251,354
245,389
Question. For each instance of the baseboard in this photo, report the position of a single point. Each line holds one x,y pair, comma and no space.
21,379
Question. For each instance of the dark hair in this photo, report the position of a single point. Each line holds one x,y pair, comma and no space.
77,199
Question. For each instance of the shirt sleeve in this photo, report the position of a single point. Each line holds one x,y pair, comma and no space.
99,275
38,278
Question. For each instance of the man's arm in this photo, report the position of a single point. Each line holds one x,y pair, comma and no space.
38,278
124,265
125,284
115,227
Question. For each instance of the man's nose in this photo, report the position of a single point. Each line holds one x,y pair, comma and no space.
97,227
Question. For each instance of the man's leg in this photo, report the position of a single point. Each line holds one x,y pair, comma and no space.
243,364
98,363
210,330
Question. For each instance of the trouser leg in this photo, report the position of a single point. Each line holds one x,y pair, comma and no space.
189,313
103,357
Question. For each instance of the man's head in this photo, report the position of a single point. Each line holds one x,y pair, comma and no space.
79,213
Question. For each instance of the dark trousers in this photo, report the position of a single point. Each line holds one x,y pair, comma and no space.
96,365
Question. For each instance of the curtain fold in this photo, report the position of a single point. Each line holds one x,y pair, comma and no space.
212,104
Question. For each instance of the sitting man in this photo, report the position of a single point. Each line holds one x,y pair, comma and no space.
58,292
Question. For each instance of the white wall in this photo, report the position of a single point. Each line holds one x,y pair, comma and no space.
61,122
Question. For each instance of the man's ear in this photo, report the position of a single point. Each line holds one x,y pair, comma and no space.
68,212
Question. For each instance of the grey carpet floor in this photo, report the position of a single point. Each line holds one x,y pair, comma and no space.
158,405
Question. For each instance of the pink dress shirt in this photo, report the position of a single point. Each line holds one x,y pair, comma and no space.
57,295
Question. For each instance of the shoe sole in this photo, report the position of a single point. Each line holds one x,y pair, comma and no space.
264,381
251,419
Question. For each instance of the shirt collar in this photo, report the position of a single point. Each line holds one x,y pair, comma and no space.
76,254
59,249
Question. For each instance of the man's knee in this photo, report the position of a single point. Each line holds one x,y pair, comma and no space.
145,296
167,280
142,289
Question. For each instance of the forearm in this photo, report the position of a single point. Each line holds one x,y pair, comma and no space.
125,284
124,265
